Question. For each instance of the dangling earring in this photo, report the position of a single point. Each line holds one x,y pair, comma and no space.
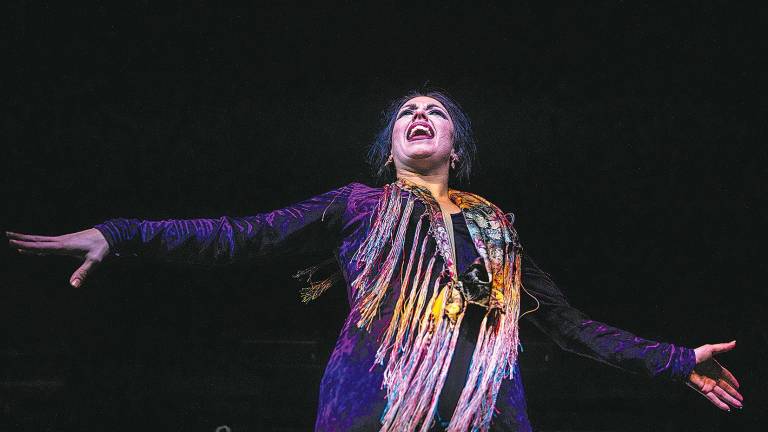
454,158
390,160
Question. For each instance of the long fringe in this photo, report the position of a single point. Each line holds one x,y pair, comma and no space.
493,360
315,289
372,295
403,313
423,375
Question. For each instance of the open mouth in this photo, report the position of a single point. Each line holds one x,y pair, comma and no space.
419,130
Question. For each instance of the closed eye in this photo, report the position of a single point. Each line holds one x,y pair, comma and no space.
439,113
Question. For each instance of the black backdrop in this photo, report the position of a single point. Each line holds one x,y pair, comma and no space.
622,134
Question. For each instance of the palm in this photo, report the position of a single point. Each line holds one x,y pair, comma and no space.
712,380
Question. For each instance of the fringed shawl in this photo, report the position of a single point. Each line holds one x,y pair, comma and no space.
418,345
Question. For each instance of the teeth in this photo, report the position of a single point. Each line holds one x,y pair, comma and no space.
419,128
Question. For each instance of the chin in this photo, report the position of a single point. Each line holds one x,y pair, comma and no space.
420,155
420,147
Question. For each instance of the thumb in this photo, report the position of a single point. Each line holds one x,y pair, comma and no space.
705,352
723,347
78,277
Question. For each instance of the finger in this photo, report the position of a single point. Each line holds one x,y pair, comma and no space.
36,246
728,388
26,252
722,347
716,401
29,237
724,396
708,385
728,376
78,277
703,383
696,381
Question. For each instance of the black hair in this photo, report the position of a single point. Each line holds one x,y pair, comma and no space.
463,139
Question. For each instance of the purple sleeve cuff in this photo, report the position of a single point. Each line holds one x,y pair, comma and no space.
113,232
104,230
683,365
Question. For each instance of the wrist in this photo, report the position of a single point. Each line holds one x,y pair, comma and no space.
686,364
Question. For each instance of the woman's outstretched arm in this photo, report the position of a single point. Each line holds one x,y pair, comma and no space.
573,331
310,225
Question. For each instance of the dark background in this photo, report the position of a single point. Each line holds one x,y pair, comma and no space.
624,135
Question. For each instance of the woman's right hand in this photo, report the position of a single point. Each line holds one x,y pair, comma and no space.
88,245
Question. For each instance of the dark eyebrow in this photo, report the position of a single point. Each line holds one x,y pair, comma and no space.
413,106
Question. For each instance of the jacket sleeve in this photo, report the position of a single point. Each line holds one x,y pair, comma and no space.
309,226
573,331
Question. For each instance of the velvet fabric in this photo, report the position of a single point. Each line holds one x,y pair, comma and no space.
337,222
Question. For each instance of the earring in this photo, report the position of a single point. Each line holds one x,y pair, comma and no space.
454,158
390,160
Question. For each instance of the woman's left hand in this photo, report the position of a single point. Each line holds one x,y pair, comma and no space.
712,380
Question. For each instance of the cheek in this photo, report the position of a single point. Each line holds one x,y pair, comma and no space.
446,132
398,131
399,128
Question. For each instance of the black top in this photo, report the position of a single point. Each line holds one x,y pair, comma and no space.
466,253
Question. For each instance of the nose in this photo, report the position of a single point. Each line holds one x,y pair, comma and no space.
420,113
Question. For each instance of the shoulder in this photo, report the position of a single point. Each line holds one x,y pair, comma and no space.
349,190
361,187
361,196
362,191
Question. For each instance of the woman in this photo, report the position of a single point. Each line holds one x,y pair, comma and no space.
434,278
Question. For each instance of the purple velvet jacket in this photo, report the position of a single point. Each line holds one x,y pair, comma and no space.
337,222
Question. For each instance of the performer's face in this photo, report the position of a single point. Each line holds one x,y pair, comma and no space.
422,138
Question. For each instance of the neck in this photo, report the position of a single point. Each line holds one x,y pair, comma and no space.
437,184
